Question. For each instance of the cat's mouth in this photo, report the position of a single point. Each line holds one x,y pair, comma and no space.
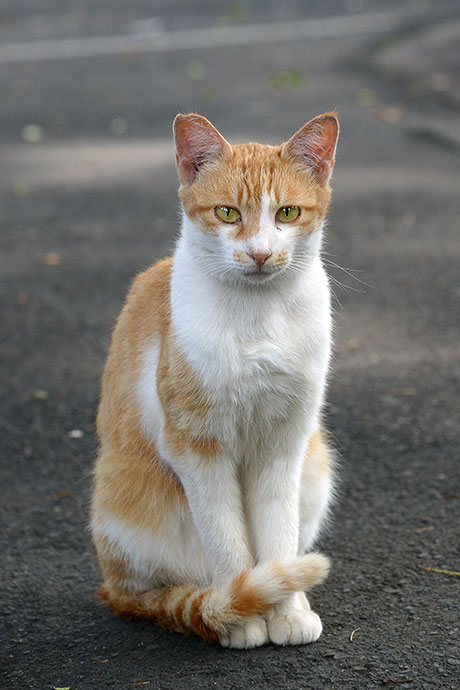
259,275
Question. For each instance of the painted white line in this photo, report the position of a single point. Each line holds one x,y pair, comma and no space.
237,35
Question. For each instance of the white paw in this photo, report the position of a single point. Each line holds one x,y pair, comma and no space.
293,624
252,633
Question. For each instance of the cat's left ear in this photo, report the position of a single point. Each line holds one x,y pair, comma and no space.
314,145
197,142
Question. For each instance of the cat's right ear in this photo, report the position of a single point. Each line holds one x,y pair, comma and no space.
197,142
314,145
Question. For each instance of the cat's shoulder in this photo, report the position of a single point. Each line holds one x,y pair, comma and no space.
147,306
155,279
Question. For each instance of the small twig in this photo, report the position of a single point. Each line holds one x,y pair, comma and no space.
391,680
353,633
442,572
429,516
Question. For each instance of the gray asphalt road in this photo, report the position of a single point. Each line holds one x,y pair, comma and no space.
87,191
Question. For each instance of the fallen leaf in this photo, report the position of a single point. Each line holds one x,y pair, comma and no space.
391,114
195,69
20,189
351,344
22,299
40,395
285,79
51,259
118,126
32,134
236,12
403,391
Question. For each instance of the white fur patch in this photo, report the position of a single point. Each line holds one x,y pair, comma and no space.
174,555
151,411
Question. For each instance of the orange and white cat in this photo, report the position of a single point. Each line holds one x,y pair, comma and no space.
213,476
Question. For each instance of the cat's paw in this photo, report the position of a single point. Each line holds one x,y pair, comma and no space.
293,623
252,633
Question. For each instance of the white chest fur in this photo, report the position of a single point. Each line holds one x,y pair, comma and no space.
262,351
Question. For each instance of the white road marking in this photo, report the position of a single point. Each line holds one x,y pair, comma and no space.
237,35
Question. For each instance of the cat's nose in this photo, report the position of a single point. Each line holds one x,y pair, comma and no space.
260,257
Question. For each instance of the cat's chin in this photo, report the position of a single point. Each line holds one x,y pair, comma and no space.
258,277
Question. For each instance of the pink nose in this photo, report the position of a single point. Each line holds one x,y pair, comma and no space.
260,257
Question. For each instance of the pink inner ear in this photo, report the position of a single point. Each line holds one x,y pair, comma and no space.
197,142
315,144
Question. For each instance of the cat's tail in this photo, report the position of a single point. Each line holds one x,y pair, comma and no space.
210,612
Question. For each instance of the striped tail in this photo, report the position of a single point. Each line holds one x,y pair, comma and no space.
212,611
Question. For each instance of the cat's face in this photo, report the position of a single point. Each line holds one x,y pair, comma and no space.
254,211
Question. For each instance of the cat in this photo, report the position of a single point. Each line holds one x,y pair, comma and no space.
214,475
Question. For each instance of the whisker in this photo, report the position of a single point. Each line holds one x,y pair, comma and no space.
347,271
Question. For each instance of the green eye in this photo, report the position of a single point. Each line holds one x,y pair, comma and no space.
227,214
287,214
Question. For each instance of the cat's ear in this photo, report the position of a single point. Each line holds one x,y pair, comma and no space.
314,144
197,142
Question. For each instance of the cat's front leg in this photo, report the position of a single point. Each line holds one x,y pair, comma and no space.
293,621
215,501
272,490
214,497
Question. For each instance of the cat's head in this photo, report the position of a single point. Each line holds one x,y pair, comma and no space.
252,211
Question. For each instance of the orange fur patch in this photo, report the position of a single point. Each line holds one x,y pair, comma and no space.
240,181
185,404
244,600
196,621
158,607
318,454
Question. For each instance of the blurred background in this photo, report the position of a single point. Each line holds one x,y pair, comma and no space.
88,92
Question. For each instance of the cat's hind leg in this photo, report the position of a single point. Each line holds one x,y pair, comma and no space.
316,490
252,633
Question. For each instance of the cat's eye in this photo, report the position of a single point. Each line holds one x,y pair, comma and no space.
287,214
227,214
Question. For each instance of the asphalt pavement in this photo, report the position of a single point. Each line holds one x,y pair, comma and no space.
88,199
